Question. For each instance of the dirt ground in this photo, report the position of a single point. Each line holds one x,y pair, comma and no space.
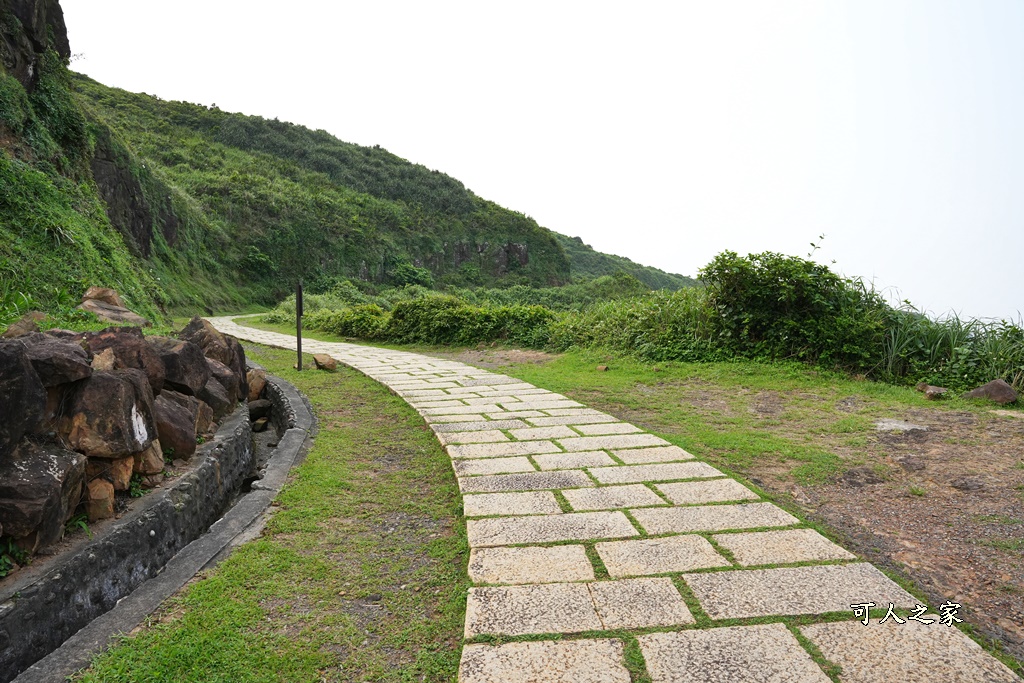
942,505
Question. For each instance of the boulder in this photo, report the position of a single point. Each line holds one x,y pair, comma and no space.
106,361
325,362
40,487
202,413
26,324
257,379
104,294
150,461
110,415
185,366
113,314
175,426
21,394
118,472
260,408
99,500
226,377
129,349
56,361
219,347
260,425
217,398
997,390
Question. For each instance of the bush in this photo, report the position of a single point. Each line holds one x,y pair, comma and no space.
449,320
365,321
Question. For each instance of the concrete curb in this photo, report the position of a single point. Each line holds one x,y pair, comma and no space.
241,523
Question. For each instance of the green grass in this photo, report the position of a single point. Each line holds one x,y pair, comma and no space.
359,575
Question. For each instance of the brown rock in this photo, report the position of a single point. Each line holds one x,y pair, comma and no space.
220,347
110,415
26,324
997,390
204,419
217,398
260,425
325,362
113,314
226,377
22,396
257,382
129,349
104,294
202,414
602,368
40,487
175,427
105,360
56,361
100,500
185,365
118,472
935,393
152,481
150,461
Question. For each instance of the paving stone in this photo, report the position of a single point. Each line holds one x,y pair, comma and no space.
794,590
471,437
782,547
711,491
541,405
643,456
464,467
762,653
526,481
456,410
920,652
542,433
515,414
530,565
590,443
563,661
607,497
525,503
625,474
447,403
500,450
479,426
639,603
437,419
659,555
562,461
491,398
609,428
572,411
574,526
419,384
424,393
712,518
491,381
570,420
469,391
518,610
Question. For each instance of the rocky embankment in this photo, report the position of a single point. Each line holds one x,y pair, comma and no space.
90,416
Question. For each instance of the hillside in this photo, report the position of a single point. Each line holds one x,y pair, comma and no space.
183,206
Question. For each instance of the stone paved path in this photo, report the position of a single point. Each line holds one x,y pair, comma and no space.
589,536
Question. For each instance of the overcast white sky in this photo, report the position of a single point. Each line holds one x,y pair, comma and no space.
662,131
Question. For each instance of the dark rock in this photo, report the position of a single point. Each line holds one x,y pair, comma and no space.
325,362
860,476
41,28
56,361
104,294
259,408
226,377
219,347
185,365
40,487
257,379
175,426
130,350
110,415
99,500
217,398
21,394
26,324
113,314
967,484
997,390
202,413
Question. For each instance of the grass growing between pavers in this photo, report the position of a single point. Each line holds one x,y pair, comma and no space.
359,575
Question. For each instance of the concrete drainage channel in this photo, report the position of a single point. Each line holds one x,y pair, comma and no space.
55,620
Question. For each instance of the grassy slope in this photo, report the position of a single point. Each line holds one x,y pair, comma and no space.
585,260
359,575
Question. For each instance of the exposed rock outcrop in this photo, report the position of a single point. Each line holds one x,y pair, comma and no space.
22,49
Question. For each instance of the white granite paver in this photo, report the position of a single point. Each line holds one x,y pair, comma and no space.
550,589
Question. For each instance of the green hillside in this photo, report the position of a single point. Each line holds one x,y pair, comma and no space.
183,206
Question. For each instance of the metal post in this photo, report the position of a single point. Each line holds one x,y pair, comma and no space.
298,323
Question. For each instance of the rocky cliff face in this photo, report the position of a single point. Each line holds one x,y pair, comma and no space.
27,29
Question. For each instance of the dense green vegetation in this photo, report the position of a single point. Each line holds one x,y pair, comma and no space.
763,306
